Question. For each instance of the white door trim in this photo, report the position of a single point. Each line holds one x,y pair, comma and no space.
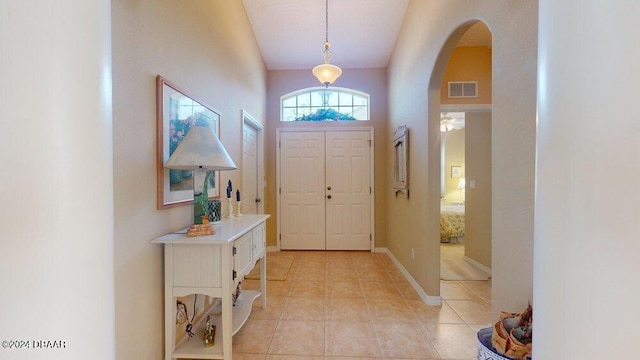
250,121
371,174
465,107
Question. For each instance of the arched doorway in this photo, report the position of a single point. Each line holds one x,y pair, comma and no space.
461,83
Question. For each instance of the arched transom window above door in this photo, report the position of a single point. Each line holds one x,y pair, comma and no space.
324,104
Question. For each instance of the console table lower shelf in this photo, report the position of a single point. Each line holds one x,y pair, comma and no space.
193,348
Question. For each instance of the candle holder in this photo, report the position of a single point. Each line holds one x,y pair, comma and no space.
239,213
230,213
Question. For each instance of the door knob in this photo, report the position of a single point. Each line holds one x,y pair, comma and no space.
258,200
328,196
328,187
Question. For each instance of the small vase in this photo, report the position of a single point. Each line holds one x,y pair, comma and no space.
215,211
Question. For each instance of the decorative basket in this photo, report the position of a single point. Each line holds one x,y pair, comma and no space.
485,350
504,340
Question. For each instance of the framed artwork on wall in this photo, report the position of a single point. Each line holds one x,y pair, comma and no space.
456,171
176,113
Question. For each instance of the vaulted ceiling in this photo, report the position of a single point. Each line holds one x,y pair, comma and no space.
291,33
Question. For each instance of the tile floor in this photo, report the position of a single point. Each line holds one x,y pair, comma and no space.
357,305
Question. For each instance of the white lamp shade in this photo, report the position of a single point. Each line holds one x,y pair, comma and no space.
327,73
200,149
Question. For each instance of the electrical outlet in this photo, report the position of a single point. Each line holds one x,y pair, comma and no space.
413,253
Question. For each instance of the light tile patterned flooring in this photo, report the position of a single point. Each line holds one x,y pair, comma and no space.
357,305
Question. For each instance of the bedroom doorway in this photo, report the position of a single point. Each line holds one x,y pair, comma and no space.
452,198
465,207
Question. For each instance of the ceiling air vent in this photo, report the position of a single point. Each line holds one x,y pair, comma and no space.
463,89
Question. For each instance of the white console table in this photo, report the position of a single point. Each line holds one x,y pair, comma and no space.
213,265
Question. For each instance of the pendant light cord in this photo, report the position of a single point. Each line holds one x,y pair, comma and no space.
326,20
326,72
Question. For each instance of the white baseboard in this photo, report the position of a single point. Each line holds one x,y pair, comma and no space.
428,299
272,249
478,265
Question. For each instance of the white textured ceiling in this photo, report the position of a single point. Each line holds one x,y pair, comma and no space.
291,33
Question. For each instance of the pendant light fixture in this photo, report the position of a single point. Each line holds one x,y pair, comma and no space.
327,73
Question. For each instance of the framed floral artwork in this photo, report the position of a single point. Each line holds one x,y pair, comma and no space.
177,112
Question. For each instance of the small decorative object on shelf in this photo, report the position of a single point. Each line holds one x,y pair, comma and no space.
201,229
236,294
230,213
229,199
215,211
239,202
202,212
209,333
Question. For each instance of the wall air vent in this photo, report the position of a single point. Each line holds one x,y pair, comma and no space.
463,89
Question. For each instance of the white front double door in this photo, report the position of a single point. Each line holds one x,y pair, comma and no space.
325,190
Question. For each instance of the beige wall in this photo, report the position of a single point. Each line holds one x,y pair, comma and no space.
586,233
56,213
415,76
207,48
469,63
371,81
477,237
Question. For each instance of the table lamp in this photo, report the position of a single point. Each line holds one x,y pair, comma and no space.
200,151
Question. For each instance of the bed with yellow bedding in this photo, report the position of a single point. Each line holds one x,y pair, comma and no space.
451,223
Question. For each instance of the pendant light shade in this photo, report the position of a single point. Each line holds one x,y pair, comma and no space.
327,73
